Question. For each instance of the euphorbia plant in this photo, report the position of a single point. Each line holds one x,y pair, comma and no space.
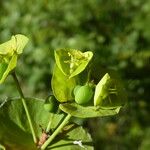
75,94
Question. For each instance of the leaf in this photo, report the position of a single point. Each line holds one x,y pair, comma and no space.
80,111
5,68
109,92
15,44
62,86
67,140
15,132
72,62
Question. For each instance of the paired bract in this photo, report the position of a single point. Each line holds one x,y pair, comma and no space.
72,62
9,52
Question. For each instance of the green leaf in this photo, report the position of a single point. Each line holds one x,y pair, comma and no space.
66,141
109,92
15,132
80,111
72,62
62,86
16,44
5,68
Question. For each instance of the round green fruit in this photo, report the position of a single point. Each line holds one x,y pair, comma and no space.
50,104
83,94
76,89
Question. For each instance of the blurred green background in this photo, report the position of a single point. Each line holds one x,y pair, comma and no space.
117,31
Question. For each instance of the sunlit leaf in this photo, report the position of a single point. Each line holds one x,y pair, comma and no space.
72,62
80,111
62,86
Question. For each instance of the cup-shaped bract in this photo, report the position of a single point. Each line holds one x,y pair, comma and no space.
9,52
72,62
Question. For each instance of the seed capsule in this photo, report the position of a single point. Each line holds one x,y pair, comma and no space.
76,89
83,94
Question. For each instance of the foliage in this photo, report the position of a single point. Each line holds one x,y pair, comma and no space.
69,65
15,133
116,31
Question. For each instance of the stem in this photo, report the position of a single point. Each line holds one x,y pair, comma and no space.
88,76
24,105
49,124
56,132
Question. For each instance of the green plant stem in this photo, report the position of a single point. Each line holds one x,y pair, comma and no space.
25,106
56,132
49,123
88,76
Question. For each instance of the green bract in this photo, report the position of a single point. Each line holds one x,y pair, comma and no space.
9,52
83,94
5,68
15,45
109,92
62,86
101,90
81,111
72,62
